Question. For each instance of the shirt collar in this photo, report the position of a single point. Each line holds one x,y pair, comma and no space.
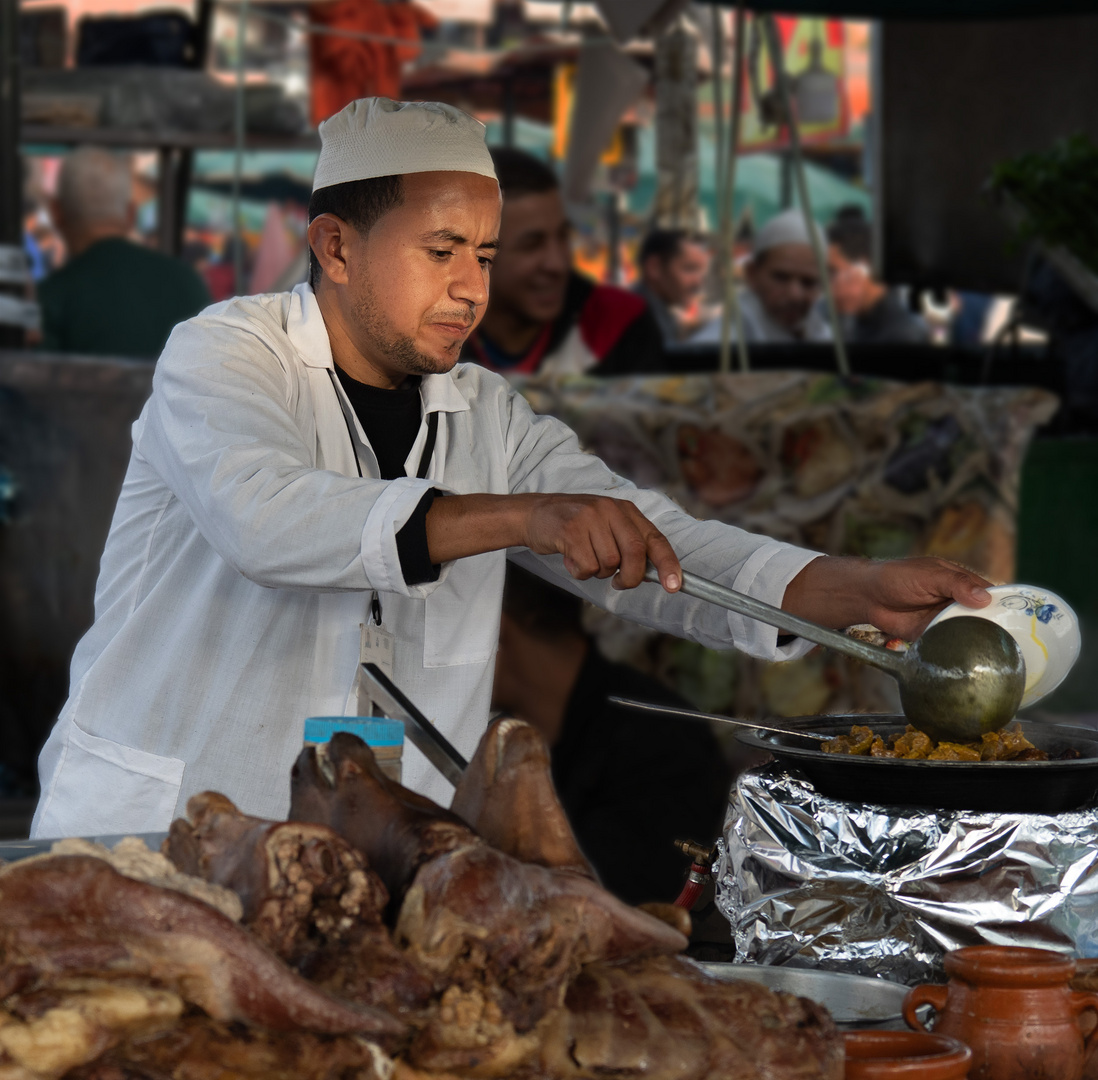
309,337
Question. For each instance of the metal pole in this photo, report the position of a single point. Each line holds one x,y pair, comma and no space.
730,309
613,230
509,111
11,167
774,42
238,157
718,96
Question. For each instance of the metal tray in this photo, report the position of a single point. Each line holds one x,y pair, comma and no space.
11,850
1020,787
854,1001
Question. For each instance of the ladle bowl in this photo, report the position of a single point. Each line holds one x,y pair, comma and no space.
958,686
963,678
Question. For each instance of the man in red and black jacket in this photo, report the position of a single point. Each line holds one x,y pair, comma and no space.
543,316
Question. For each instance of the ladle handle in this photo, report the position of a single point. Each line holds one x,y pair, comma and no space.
703,589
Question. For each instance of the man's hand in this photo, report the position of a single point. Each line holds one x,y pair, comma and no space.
598,536
900,596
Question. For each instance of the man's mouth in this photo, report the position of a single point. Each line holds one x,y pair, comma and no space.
457,329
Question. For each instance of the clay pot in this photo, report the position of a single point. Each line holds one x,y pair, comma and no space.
1086,978
890,1055
1016,1010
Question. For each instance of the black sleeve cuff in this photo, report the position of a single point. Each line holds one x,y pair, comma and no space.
411,540
783,639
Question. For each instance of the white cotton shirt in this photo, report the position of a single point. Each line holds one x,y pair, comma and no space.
242,556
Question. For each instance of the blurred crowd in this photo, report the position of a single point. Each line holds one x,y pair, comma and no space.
88,245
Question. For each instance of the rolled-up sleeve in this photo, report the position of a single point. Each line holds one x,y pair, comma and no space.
226,433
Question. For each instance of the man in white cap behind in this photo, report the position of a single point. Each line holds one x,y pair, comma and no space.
314,476
782,286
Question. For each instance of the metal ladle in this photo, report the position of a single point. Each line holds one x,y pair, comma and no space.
964,677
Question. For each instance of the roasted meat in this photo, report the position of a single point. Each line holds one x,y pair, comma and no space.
73,915
663,1018
307,894
507,795
198,1048
522,966
499,936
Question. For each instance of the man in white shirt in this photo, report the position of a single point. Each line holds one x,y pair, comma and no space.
314,462
781,287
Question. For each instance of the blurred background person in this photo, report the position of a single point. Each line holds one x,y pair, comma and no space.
544,316
631,784
111,297
673,265
872,313
781,287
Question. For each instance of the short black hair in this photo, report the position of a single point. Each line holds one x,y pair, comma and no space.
665,244
539,607
852,234
520,173
360,203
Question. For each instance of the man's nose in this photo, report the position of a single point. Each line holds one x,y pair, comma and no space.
471,284
557,257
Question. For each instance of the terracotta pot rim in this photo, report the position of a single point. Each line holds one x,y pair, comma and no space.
904,1053
1009,965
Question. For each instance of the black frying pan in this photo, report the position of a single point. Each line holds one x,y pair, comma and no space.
1019,787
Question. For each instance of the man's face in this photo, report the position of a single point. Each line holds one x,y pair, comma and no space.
849,282
678,280
530,274
787,283
418,282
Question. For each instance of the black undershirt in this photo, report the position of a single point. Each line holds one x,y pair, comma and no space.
391,420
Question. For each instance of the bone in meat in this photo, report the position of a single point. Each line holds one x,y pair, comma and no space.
507,795
74,915
341,785
472,915
295,881
307,894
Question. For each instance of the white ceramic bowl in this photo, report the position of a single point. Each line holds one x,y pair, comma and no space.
1045,627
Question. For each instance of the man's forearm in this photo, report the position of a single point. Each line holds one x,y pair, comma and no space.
595,535
829,591
462,525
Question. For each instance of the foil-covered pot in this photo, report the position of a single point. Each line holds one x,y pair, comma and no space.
812,881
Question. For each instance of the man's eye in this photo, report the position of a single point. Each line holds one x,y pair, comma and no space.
485,261
439,254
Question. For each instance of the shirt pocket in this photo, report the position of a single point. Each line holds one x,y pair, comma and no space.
104,787
461,620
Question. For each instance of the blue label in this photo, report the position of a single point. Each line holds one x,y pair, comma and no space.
374,731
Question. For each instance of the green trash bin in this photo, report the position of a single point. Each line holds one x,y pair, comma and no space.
1057,539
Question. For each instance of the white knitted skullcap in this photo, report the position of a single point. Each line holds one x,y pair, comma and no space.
376,136
786,228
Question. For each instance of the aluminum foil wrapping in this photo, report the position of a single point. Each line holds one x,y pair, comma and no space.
811,881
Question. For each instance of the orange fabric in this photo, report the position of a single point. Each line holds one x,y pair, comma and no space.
347,68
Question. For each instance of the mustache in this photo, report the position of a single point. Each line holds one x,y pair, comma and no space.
464,317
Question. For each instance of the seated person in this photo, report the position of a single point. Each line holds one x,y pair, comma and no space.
631,783
673,265
782,285
543,316
872,313
111,297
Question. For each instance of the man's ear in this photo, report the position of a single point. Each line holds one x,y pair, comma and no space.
652,266
328,236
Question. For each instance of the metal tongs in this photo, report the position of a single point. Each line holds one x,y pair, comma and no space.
421,733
